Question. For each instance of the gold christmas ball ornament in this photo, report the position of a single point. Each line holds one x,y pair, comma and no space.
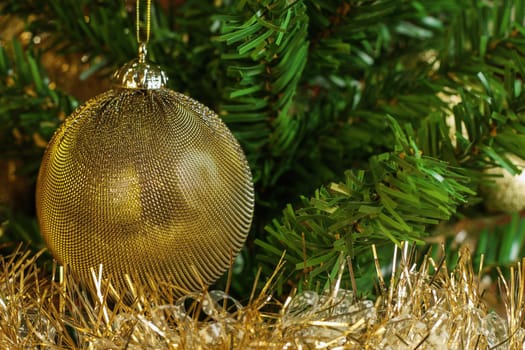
145,181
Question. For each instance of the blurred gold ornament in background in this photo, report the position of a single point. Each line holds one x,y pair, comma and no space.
507,192
146,182
504,192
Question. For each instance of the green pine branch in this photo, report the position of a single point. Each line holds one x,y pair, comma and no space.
266,51
394,200
488,122
31,109
496,242
104,32
97,29
485,121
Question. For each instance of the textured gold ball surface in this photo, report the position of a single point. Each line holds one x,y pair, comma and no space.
145,182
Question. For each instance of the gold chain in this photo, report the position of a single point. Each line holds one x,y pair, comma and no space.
148,19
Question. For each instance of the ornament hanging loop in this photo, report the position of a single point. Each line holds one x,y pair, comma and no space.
143,51
138,73
143,38
143,29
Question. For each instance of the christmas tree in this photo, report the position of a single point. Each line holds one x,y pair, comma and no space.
366,124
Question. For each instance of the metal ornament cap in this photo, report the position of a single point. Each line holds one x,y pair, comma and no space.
145,181
139,74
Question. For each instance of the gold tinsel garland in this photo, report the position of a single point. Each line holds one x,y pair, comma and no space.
424,307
